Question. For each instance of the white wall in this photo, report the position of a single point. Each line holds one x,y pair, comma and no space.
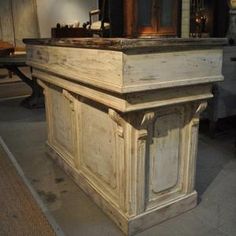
185,28
18,20
51,12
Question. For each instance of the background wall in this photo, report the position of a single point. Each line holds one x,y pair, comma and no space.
185,23
18,20
50,12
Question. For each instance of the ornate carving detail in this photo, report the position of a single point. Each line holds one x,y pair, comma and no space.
70,98
199,109
119,121
146,122
142,134
148,118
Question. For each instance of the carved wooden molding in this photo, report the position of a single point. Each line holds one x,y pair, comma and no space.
148,118
70,98
142,134
147,121
199,109
202,106
146,129
119,121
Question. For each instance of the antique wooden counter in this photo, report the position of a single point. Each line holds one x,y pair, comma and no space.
123,119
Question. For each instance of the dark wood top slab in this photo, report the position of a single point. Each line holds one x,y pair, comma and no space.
125,44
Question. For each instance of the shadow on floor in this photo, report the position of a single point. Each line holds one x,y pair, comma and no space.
12,111
212,158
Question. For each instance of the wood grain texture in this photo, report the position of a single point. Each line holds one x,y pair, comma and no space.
126,45
133,152
63,127
86,65
170,210
132,101
164,152
99,157
129,18
124,73
187,67
122,156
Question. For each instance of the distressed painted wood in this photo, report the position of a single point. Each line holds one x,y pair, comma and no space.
133,151
125,73
91,69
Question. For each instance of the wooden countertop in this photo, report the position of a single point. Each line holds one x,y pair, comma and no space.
125,44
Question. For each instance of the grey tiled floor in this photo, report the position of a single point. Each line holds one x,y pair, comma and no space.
24,132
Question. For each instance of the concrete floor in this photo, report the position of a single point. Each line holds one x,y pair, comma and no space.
13,87
24,131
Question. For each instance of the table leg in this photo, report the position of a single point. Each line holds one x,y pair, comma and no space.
36,99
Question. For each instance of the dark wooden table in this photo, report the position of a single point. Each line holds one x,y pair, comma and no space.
6,51
13,63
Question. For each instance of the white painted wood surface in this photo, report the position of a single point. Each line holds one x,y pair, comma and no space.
124,73
134,154
186,67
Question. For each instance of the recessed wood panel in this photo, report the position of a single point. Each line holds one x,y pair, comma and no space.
164,152
98,145
63,124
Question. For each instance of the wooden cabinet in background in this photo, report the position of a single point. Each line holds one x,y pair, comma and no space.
151,18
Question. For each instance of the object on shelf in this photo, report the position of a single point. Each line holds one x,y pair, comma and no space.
66,32
199,19
75,24
97,24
